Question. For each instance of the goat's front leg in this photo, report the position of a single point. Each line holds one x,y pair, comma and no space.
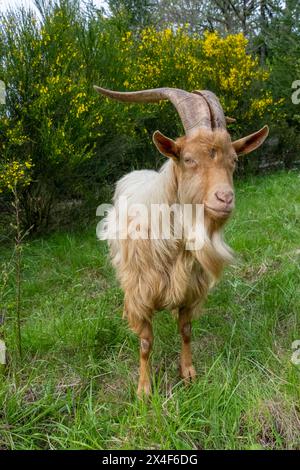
187,370
146,340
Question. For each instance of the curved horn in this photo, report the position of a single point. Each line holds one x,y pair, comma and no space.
193,110
229,120
217,114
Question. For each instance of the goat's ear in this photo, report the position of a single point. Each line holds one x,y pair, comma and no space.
251,142
166,146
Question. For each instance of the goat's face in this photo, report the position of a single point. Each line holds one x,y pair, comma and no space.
204,164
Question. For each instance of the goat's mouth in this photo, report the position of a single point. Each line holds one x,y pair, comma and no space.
217,212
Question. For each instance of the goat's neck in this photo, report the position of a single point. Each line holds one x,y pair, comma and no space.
166,192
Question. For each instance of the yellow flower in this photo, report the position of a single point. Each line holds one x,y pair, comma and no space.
15,174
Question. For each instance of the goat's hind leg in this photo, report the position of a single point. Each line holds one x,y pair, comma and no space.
187,370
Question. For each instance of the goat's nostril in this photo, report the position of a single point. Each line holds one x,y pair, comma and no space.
229,198
220,196
224,196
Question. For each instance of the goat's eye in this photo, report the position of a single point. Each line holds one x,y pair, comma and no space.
190,161
212,153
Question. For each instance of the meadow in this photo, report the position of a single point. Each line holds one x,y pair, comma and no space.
75,386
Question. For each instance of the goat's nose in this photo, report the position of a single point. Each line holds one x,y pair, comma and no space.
224,196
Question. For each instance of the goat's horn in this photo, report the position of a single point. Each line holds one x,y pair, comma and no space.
217,114
194,111
229,120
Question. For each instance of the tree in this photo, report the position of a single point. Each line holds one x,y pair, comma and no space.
224,16
139,13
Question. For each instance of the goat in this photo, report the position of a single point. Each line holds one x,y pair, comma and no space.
158,274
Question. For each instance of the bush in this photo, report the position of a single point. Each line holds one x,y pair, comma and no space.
72,144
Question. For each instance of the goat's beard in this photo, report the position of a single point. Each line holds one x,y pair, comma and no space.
214,255
214,223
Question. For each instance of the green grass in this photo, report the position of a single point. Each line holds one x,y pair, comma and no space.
75,387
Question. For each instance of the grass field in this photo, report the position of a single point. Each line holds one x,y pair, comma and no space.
75,387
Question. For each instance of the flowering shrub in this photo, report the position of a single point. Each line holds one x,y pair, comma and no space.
178,59
15,174
50,123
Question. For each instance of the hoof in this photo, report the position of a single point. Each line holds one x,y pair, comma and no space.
188,374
